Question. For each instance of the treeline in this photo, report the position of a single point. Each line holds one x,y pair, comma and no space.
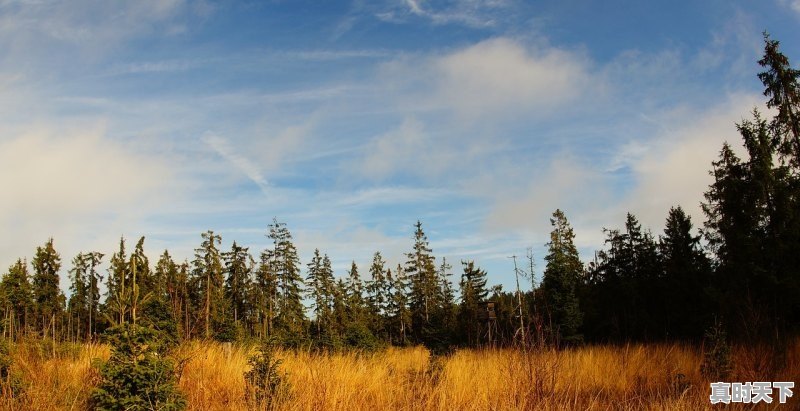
743,271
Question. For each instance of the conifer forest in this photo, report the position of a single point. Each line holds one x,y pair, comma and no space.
647,321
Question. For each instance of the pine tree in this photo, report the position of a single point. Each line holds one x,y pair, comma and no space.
265,292
18,297
421,272
400,312
473,293
782,86
49,301
116,290
239,267
291,312
686,277
141,280
172,293
447,298
207,272
319,291
561,275
355,296
377,289
78,304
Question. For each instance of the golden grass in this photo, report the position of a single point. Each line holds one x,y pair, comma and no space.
630,377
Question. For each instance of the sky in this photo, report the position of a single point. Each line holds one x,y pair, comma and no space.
351,120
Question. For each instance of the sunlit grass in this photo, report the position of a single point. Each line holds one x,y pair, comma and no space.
628,377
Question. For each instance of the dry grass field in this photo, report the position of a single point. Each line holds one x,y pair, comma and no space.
634,377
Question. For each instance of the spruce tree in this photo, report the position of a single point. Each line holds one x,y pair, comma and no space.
207,272
473,294
319,290
687,274
424,286
239,267
18,297
377,289
49,301
782,86
78,304
561,275
291,312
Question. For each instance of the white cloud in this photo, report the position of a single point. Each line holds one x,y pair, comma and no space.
222,147
492,80
76,185
502,75
673,170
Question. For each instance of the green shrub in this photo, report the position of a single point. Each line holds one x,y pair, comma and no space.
138,376
716,365
266,385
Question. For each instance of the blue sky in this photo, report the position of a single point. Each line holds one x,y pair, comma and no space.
351,120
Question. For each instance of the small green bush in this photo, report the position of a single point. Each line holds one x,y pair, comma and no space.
266,385
138,376
716,365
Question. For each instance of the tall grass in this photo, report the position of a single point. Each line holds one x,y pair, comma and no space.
628,377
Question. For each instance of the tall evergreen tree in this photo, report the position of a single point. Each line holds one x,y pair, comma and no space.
238,266
78,304
116,290
355,297
400,312
377,289
18,297
561,275
424,286
265,292
49,301
687,274
208,280
291,312
320,292
473,294
782,86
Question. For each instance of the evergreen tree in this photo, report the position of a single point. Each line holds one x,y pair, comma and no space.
473,294
78,304
561,275
377,289
208,279
265,292
782,86
116,291
424,286
686,277
400,312
18,297
291,312
49,301
239,267
319,291
355,296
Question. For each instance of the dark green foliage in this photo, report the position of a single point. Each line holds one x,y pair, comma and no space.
782,86
716,365
473,294
208,283
238,267
358,335
10,382
687,275
285,263
16,294
266,384
138,376
561,276
48,299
